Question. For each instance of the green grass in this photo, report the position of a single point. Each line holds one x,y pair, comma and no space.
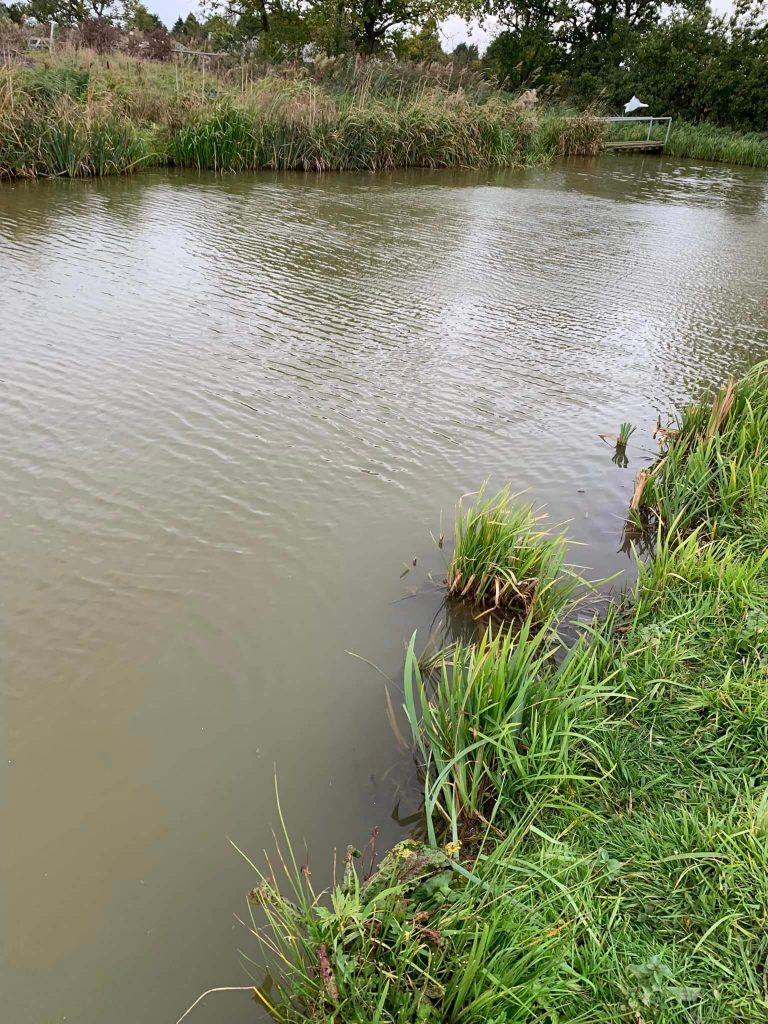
597,818
709,142
714,473
419,941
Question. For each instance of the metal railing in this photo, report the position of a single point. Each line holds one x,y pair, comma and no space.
651,121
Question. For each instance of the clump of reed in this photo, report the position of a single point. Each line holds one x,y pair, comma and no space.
72,142
496,716
309,131
504,561
98,117
626,430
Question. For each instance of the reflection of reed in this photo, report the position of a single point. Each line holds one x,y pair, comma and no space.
637,539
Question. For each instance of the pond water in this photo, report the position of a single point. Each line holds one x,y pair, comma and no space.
232,411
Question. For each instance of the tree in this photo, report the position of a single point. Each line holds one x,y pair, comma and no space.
14,12
525,57
71,12
465,54
373,20
255,17
137,16
704,68
567,23
192,27
423,46
366,24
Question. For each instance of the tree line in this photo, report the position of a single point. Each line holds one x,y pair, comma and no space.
682,58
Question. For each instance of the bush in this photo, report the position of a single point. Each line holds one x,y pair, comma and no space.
152,45
97,34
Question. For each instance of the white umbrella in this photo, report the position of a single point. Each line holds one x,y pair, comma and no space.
633,105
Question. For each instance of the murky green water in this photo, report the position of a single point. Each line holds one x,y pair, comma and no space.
232,411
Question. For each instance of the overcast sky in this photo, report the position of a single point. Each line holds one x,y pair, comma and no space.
454,30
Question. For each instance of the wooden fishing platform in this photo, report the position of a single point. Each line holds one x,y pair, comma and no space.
646,145
643,146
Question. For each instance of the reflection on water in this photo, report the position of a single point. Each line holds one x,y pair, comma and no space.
232,412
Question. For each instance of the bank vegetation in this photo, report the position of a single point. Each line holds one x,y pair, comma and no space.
81,114
96,115
595,832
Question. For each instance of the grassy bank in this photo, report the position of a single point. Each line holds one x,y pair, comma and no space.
596,819
82,114
708,142
89,115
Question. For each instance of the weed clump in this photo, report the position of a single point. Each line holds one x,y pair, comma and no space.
504,561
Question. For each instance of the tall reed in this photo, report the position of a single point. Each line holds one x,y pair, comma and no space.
64,119
710,142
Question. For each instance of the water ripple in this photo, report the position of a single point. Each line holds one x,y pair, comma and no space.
232,410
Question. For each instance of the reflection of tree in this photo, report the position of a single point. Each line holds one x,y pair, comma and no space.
33,211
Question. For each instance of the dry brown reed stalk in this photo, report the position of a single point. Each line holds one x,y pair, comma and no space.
637,495
224,988
721,406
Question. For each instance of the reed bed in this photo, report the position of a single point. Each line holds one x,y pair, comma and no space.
72,142
702,142
87,116
596,819
82,115
710,142
369,137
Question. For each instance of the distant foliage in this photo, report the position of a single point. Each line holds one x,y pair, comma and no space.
697,66
683,59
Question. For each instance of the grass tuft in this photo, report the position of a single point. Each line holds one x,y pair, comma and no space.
504,561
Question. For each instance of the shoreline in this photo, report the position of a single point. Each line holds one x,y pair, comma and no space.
597,823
